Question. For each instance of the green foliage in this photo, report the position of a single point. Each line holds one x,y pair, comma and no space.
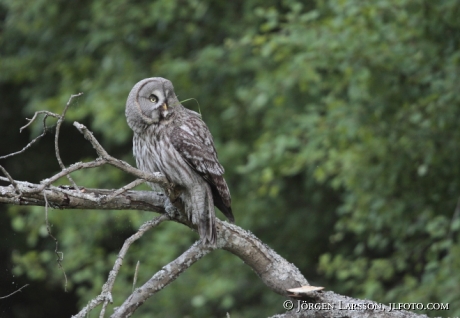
336,122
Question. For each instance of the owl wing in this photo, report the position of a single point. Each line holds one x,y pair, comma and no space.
193,140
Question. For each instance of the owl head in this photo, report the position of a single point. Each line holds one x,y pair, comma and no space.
150,101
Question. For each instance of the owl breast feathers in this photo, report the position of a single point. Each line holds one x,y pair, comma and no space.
174,140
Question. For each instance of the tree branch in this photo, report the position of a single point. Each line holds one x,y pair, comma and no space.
106,295
45,130
56,138
161,279
106,158
277,273
60,255
16,291
87,199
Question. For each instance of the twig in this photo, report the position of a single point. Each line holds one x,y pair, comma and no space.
10,179
18,290
135,275
60,255
120,164
47,113
45,130
196,100
56,138
162,278
104,158
106,296
127,187
77,166
104,305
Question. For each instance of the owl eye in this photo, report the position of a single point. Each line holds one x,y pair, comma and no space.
153,98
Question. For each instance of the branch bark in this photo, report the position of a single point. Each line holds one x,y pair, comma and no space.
86,199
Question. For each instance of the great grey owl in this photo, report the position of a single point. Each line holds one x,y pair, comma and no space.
173,140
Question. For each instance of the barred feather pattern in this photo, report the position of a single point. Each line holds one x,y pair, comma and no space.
180,146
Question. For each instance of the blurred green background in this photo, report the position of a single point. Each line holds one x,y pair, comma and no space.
337,123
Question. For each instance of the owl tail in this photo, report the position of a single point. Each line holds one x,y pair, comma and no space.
201,213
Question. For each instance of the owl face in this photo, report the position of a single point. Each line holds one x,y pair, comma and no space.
150,101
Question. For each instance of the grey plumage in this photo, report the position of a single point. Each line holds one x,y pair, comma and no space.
173,140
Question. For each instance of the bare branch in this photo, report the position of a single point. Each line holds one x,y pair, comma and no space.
278,274
10,179
155,177
76,166
104,307
45,130
275,271
56,138
135,275
47,113
18,290
127,187
105,295
60,255
65,198
162,278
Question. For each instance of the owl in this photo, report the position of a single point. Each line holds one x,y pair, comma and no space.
174,140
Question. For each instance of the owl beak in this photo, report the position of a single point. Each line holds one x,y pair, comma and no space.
165,107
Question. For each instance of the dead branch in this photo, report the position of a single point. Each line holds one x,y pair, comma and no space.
60,255
265,262
106,158
88,199
277,273
106,295
162,278
10,179
45,130
56,138
136,271
16,291
127,187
